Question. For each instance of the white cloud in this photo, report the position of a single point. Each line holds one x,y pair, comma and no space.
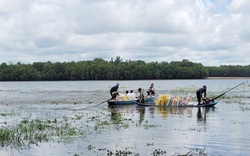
239,6
209,32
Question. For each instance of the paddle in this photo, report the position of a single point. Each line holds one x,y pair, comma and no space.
101,103
226,92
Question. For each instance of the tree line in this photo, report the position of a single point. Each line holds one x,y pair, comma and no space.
229,71
114,69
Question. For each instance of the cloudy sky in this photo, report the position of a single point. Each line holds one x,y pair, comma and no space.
211,32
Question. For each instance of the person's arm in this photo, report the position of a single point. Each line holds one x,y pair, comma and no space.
205,95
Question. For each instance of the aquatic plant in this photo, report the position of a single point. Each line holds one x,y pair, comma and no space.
29,132
197,151
5,114
159,152
244,108
121,153
113,121
147,126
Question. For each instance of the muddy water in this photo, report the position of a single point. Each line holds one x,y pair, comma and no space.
60,118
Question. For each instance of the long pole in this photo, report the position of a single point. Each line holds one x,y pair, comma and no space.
101,103
227,91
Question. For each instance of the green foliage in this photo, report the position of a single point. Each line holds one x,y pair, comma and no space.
99,69
229,71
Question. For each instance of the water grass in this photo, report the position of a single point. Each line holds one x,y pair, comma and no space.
32,132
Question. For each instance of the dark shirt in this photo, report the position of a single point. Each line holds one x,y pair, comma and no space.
201,91
113,89
151,90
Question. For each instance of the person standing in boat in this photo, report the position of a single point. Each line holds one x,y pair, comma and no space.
201,94
140,97
151,90
114,91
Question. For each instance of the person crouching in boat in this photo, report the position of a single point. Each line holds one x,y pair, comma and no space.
200,92
140,97
114,91
151,90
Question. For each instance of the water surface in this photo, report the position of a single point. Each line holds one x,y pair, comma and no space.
61,118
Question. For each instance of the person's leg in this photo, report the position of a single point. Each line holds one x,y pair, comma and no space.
114,95
198,95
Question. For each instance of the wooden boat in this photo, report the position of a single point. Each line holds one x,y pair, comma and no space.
210,104
123,102
130,102
168,101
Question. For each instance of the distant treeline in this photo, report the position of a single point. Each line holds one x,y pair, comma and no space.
229,71
99,69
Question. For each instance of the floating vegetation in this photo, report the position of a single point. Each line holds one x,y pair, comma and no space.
244,108
198,152
156,152
183,90
113,121
159,152
32,132
119,153
5,114
147,126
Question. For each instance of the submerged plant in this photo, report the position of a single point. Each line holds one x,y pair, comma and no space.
147,126
29,132
159,152
120,153
114,123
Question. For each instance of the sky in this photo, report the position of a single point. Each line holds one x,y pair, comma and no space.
211,32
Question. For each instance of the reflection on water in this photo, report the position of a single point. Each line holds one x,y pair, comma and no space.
141,111
60,118
127,130
202,113
169,111
116,116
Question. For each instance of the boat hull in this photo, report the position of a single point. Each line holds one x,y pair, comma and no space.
210,104
130,102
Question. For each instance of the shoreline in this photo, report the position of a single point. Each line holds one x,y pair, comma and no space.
228,77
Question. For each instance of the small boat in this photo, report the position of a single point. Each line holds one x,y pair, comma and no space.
123,102
130,102
210,104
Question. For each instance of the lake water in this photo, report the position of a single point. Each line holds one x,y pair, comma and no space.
71,118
